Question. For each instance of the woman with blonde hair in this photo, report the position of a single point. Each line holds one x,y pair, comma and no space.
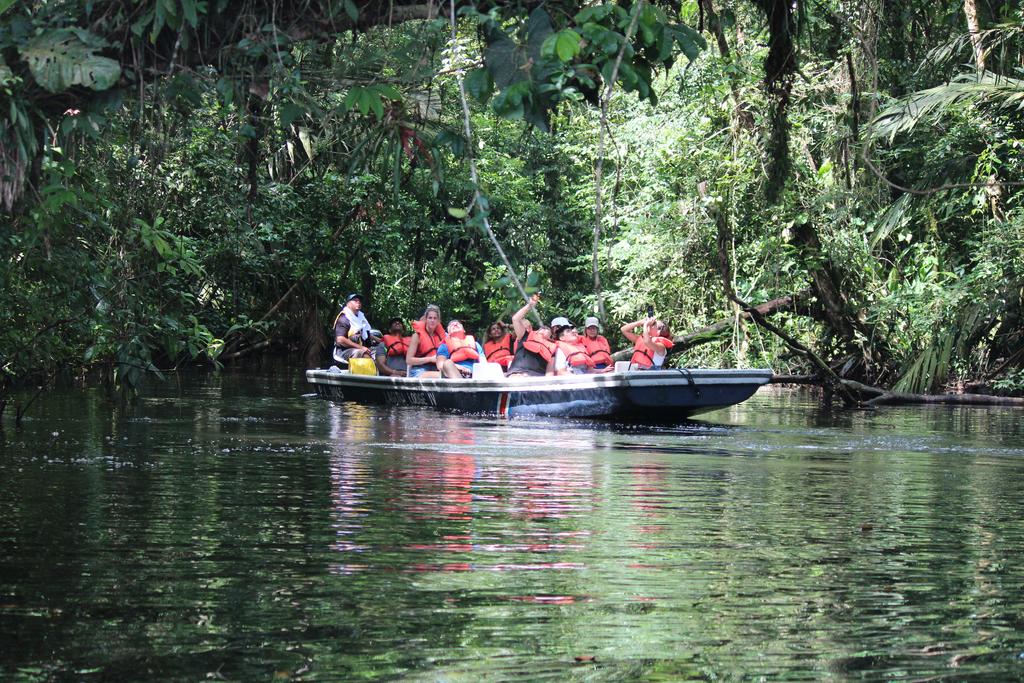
428,335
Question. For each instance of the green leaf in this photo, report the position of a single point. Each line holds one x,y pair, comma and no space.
595,14
5,5
351,10
289,111
479,84
352,98
455,142
191,15
377,105
388,91
226,90
457,213
689,41
567,45
504,59
538,29
59,59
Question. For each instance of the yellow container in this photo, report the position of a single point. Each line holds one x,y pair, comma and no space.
362,366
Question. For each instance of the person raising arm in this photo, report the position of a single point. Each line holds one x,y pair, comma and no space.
535,352
651,346
520,325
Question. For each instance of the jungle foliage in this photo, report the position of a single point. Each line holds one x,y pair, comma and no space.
201,180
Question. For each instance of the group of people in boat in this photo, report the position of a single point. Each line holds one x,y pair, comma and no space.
438,350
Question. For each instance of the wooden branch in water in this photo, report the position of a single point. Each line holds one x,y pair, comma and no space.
246,351
886,397
882,396
833,380
795,379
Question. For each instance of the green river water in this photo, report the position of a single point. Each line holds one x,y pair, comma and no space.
235,527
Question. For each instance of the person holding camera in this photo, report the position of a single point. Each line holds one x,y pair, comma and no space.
650,346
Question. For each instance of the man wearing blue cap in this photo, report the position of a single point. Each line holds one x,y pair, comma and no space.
351,331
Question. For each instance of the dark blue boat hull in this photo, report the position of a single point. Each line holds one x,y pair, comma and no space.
656,395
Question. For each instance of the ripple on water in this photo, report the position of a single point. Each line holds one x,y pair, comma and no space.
227,533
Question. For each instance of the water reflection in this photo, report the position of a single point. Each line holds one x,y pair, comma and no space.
232,527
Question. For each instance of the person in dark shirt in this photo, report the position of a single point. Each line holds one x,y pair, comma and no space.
351,331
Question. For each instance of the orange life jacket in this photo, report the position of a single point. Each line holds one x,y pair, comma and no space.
462,348
576,354
428,343
642,356
537,344
598,349
499,351
396,345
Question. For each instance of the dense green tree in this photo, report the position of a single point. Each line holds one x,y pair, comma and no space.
185,180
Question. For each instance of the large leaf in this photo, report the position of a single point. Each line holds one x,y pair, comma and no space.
689,41
61,58
504,59
538,28
479,85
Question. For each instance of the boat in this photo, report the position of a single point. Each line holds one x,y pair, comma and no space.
648,394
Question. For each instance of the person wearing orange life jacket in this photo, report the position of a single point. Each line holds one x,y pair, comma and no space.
597,346
535,352
389,355
498,346
428,335
571,357
651,346
456,357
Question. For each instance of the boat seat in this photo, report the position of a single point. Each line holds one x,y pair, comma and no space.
488,371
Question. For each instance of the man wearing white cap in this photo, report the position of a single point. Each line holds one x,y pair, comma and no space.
596,345
351,331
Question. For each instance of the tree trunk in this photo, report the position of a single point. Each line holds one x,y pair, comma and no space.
974,30
743,118
823,280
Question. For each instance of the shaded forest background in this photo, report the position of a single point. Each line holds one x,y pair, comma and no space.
204,180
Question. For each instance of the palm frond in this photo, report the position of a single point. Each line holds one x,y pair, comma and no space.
966,89
895,217
931,369
955,49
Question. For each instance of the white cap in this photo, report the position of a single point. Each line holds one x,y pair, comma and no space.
592,322
561,322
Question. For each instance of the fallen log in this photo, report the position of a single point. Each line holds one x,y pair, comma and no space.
880,396
795,379
887,397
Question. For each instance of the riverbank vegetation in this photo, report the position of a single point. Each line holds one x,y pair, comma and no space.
186,181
